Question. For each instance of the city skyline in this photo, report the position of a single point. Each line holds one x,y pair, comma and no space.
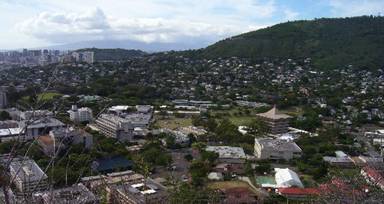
195,24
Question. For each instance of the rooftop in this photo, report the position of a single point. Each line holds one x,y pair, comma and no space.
227,151
143,192
278,145
287,178
74,194
119,108
45,122
26,170
274,114
10,131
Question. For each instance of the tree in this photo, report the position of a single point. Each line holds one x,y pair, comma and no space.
4,115
198,170
185,193
257,127
263,167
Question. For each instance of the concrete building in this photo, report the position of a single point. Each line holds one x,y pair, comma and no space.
141,120
98,183
145,192
227,153
8,134
35,114
41,127
341,160
62,138
277,122
3,99
8,124
76,194
275,149
88,57
178,136
27,176
114,126
79,115
127,187
71,136
144,108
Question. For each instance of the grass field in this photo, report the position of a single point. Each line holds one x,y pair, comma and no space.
173,122
237,116
227,184
48,96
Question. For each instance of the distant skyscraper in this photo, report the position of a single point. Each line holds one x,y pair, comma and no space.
3,99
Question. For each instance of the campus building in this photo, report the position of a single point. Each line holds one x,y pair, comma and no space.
277,122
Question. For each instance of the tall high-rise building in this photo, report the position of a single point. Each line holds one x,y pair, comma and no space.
80,114
88,57
3,99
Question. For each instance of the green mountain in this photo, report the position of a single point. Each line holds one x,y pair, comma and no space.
330,42
114,54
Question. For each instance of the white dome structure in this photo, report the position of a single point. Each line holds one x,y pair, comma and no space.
286,178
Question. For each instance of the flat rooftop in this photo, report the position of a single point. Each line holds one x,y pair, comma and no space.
227,152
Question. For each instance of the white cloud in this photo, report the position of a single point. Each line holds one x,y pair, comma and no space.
62,21
356,7
95,25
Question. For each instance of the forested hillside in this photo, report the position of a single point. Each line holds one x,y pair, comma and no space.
330,42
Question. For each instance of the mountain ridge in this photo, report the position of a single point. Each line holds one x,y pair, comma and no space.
331,42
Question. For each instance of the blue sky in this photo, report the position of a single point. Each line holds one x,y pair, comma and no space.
37,23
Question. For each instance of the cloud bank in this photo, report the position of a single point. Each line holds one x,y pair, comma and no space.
191,21
200,22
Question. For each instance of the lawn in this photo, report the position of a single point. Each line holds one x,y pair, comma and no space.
238,116
227,184
173,122
43,97
48,96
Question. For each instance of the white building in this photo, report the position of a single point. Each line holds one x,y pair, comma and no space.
27,176
114,126
286,178
83,114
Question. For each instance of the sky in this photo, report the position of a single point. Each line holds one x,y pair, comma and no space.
39,23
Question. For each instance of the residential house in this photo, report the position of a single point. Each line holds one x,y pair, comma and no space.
230,160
